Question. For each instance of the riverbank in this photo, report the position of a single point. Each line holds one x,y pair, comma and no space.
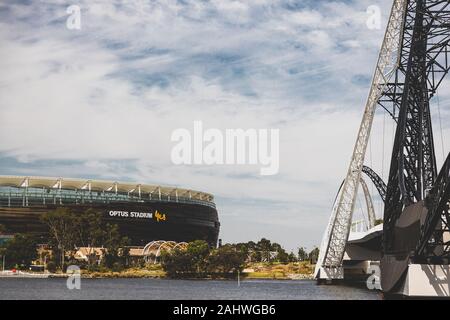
253,271
22,274
264,271
279,271
154,272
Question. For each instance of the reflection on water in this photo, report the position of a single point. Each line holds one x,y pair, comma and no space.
177,289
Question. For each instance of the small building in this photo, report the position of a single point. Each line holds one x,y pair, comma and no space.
136,256
90,254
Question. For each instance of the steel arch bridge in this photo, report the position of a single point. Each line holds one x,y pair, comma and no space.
413,61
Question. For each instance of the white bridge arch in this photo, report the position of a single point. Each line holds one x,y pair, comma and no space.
152,250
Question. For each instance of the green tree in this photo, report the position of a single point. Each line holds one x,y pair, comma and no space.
251,251
292,257
187,263
282,255
198,250
86,229
226,260
262,251
314,255
51,266
244,248
264,246
20,251
89,231
2,251
61,224
302,254
177,263
115,254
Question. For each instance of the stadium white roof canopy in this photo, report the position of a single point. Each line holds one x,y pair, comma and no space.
101,185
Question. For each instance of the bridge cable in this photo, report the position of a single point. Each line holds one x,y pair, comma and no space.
371,164
363,216
440,127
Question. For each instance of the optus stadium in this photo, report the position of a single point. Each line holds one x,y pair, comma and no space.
143,212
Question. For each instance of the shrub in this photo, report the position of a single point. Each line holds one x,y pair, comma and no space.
51,267
117,267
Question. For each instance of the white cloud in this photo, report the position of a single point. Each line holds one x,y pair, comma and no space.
137,70
307,18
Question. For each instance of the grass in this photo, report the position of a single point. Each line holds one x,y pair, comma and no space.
261,270
153,272
293,270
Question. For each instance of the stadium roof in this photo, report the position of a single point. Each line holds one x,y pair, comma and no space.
101,185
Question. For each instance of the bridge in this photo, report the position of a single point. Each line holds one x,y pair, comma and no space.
412,245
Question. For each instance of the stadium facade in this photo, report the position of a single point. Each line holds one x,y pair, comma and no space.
143,212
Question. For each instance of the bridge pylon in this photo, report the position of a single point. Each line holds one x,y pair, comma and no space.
415,249
335,238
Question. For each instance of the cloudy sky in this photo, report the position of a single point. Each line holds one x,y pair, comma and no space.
102,101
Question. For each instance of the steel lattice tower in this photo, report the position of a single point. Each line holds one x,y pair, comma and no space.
413,61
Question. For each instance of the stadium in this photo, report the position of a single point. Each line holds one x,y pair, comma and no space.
143,212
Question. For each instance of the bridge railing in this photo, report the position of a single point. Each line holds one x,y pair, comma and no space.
22,197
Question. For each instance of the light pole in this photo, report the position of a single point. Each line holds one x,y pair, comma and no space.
3,266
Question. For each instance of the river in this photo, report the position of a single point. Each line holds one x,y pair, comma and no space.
100,289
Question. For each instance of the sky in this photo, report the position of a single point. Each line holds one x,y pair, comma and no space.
102,101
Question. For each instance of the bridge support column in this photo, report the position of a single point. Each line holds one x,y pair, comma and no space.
426,281
330,273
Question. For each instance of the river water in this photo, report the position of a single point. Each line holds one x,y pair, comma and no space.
100,289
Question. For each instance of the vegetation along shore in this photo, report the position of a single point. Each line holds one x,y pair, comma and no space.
100,251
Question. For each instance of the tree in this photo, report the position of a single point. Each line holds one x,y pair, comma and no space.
89,231
314,255
282,255
264,246
177,263
20,251
292,257
189,262
302,254
115,255
62,228
2,250
226,260
198,250
2,229
199,260
51,267
244,248
262,251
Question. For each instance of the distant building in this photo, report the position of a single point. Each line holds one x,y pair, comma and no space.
143,212
90,254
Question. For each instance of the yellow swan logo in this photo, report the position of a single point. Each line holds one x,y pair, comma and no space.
160,216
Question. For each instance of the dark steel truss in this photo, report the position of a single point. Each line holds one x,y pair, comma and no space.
423,64
434,241
377,181
437,62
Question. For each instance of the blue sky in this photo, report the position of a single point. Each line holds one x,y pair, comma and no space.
102,101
